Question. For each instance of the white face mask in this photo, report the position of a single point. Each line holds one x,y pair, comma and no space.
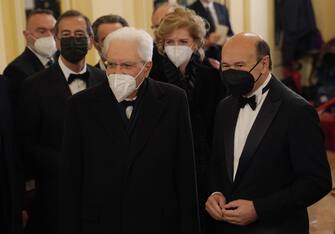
178,54
123,85
45,46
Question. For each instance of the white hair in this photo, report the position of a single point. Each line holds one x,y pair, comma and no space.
142,38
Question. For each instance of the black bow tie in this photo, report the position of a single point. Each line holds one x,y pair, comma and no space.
50,62
83,77
126,103
250,100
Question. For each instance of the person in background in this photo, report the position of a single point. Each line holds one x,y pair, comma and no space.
217,16
160,12
38,54
269,159
42,106
179,39
103,26
136,173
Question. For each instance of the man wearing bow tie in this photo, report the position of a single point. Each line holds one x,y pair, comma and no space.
128,161
43,102
269,162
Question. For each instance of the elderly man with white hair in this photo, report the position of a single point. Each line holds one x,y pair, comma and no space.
128,162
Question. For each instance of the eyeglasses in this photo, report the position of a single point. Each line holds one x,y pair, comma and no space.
126,66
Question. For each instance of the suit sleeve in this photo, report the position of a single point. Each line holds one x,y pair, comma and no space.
214,168
309,162
10,167
186,179
14,76
70,174
30,118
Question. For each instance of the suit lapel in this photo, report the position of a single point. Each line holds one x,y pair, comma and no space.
218,13
94,78
263,121
34,60
110,118
203,12
58,82
228,132
149,114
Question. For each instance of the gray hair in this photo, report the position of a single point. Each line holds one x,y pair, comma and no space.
141,37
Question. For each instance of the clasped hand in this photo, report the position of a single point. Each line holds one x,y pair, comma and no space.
240,212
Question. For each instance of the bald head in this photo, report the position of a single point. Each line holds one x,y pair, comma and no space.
247,51
247,46
160,12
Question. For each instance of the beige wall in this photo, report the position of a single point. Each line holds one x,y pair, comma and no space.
324,14
3,50
255,16
258,16
12,22
246,15
136,12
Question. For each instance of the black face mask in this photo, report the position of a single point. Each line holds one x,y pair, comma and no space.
239,82
73,49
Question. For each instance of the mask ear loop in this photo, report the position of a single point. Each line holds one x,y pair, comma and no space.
139,74
254,67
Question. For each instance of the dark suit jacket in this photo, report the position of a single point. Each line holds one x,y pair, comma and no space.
97,65
26,64
43,103
283,167
118,182
221,12
11,180
203,98
204,91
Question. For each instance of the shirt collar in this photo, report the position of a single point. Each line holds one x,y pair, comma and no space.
259,92
67,71
205,4
44,60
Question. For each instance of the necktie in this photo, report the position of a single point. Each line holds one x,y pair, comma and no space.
83,77
251,101
128,107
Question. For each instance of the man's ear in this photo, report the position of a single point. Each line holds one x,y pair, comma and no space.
57,42
266,62
90,42
96,45
148,67
26,35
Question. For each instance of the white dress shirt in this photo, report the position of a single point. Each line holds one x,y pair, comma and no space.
211,8
129,109
77,85
44,60
245,120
